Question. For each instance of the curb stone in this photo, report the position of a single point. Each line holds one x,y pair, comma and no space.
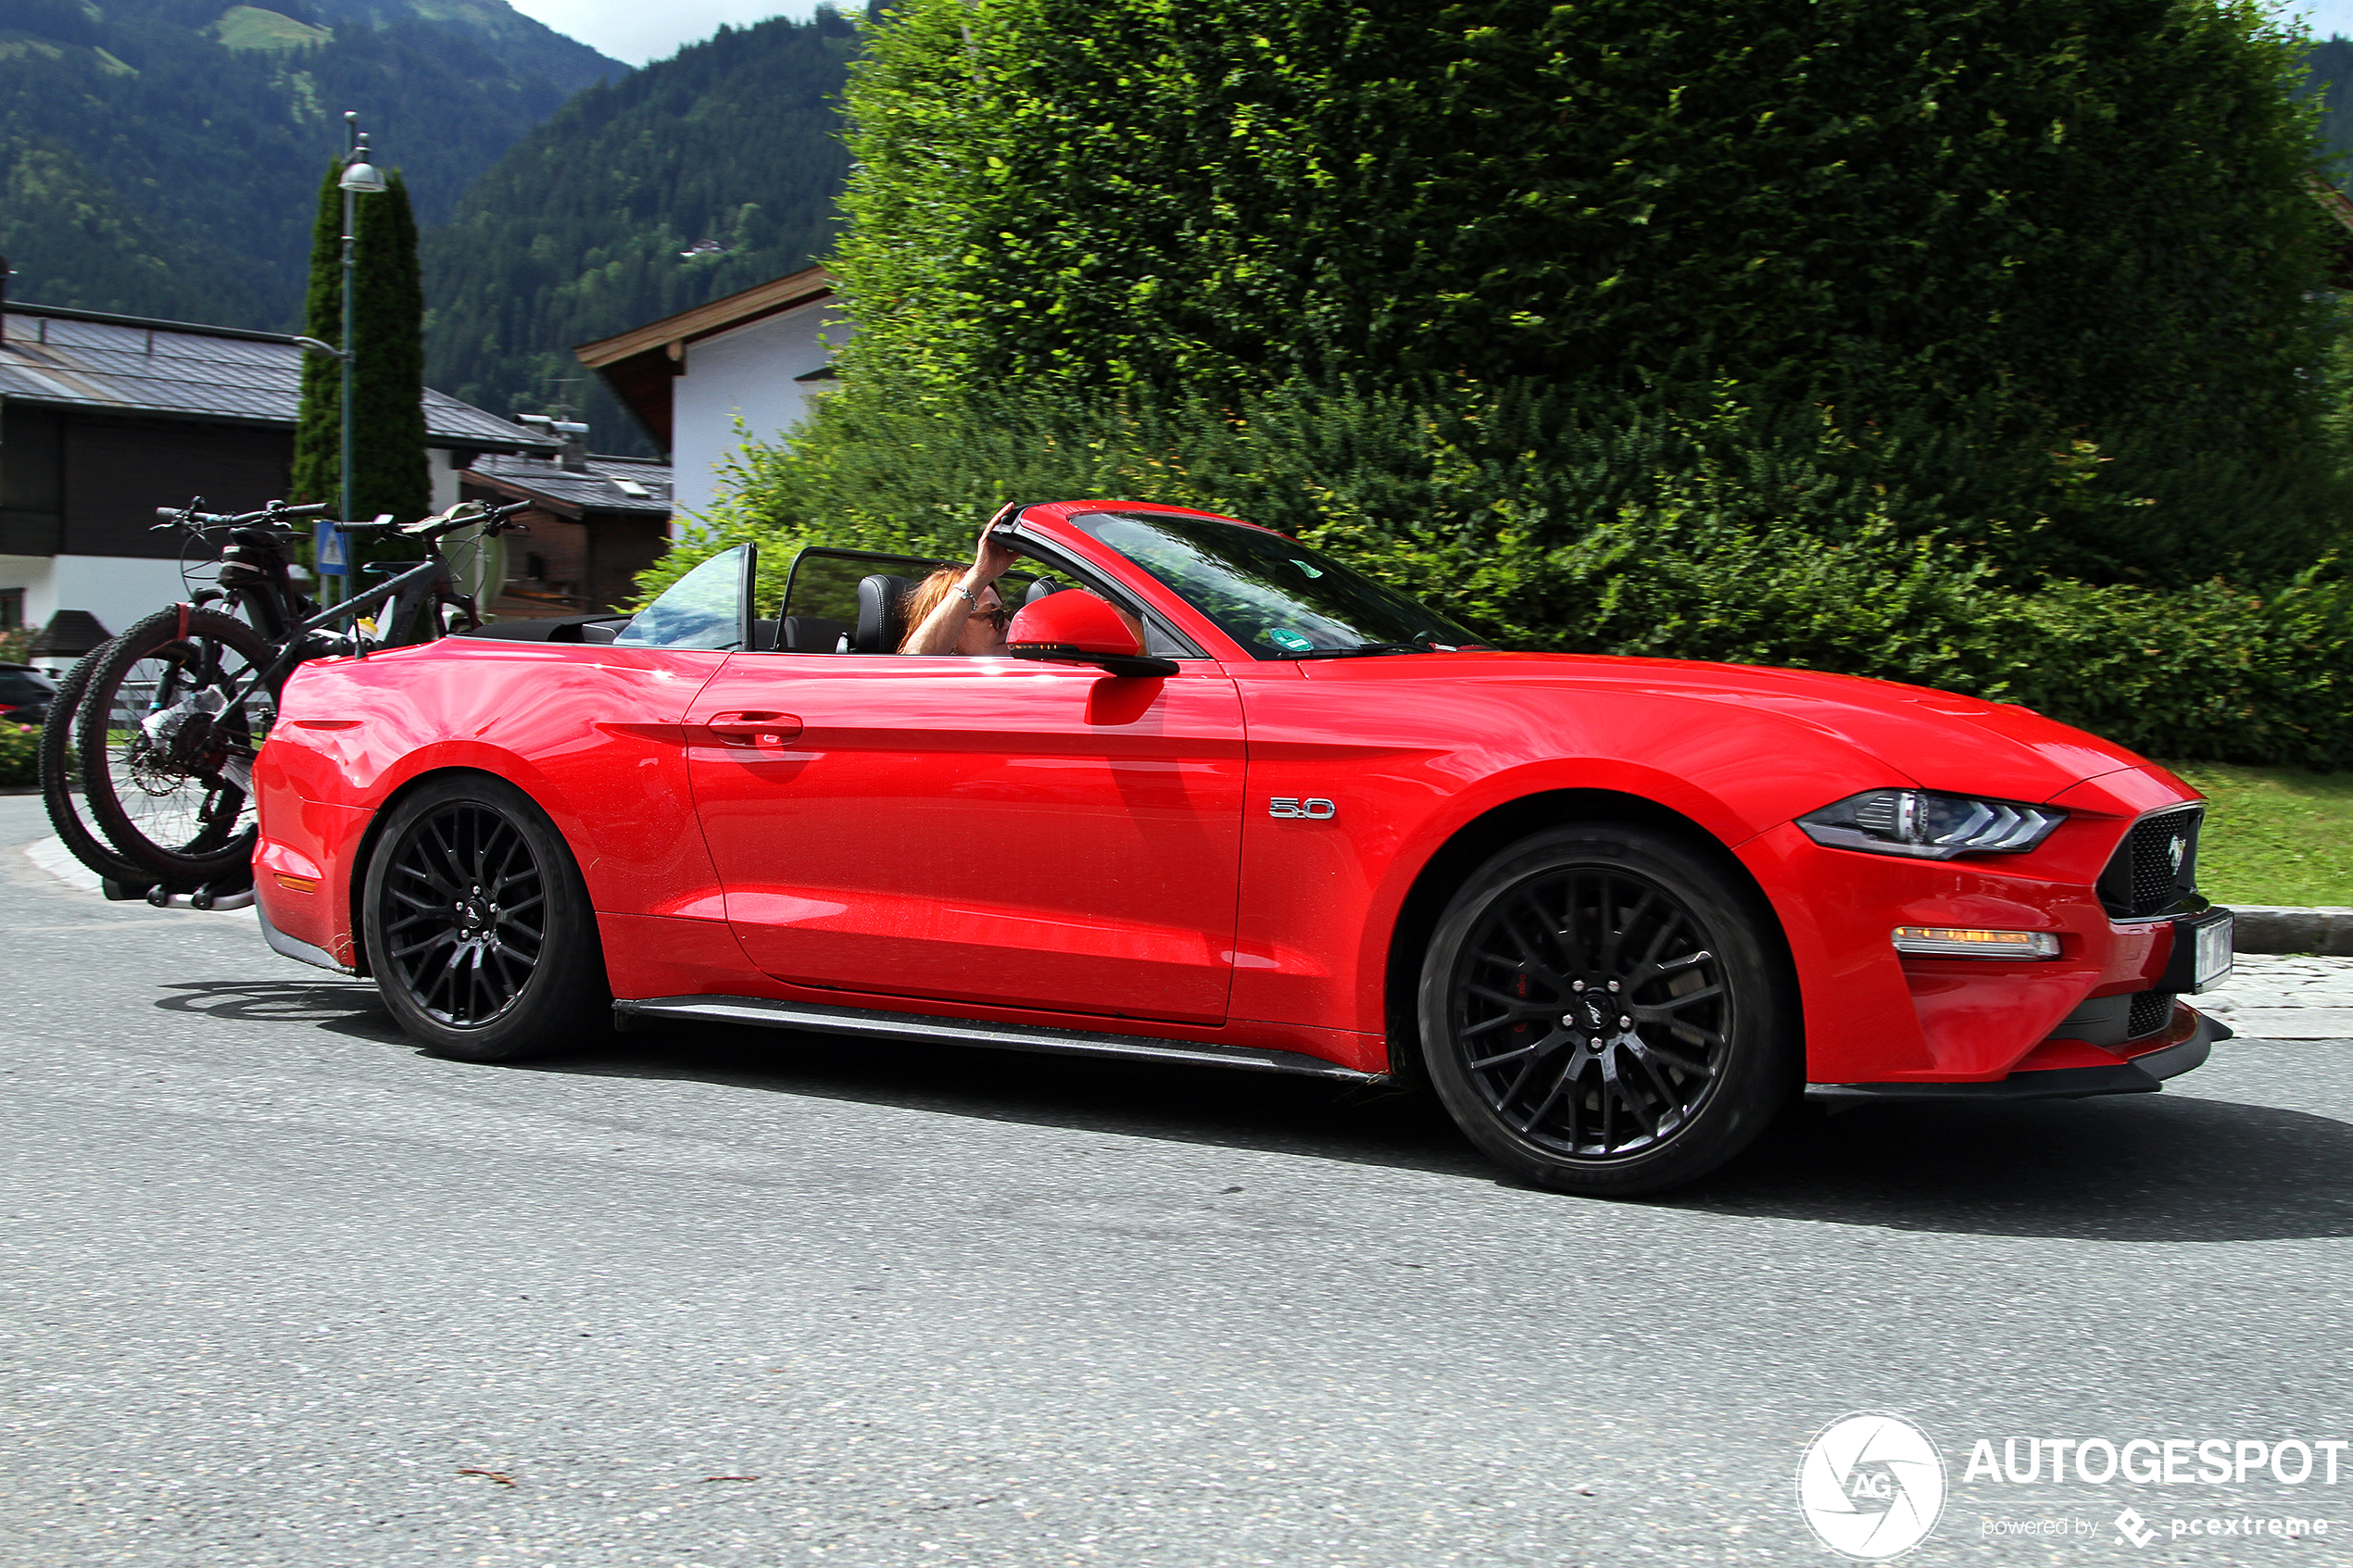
2272,928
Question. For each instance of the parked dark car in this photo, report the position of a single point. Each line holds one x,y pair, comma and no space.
24,695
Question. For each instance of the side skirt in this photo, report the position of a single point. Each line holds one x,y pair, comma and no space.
873,1025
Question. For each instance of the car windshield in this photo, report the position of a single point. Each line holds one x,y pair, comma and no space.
1275,596
708,608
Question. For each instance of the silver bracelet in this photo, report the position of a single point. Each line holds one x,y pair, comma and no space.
959,588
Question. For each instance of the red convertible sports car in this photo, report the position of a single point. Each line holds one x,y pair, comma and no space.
1228,802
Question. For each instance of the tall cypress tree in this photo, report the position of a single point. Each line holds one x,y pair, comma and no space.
388,381
389,426
318,458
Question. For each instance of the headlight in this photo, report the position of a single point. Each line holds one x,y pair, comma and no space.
1932,826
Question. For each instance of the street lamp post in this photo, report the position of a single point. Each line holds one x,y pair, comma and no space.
361,178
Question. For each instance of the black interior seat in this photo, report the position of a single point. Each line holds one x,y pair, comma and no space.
812,633
882,613
1039,589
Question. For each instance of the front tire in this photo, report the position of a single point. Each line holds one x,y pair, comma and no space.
478,926
1604,1010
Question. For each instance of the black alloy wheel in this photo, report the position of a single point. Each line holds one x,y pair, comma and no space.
478,926
1603,1011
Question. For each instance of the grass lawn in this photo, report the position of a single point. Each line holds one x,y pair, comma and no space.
2274,836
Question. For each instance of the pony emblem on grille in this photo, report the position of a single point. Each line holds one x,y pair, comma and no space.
2175,850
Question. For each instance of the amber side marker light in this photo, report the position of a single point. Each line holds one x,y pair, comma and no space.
1956,942
297,884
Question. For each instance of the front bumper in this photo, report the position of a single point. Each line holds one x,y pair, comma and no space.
2140,1074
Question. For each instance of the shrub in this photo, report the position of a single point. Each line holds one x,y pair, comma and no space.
19,754
2008,225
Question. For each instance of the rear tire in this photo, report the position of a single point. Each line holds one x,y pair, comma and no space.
1604,1010
59,778
176,803
478,926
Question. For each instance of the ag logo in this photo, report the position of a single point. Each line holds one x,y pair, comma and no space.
1284,806
1871,1487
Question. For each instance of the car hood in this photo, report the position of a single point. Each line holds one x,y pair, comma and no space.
1936,739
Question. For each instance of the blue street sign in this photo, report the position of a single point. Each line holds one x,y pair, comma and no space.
334,561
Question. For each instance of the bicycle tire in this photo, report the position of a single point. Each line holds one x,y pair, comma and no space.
56,756
138,782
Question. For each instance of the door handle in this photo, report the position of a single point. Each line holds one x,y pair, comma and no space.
753,727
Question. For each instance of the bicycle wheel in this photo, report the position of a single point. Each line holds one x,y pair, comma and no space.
167,744
61,779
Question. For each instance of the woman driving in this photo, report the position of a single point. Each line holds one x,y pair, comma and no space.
954,612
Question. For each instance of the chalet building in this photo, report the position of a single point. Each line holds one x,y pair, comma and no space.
595,521
757,357
103,418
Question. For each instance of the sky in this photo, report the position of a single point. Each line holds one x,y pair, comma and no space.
636,31
2323,17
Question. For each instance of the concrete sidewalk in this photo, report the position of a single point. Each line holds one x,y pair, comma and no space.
2280,996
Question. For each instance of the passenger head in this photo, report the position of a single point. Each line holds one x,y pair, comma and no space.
984,629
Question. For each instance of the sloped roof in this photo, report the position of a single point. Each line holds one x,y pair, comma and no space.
129,365
609,486
637,365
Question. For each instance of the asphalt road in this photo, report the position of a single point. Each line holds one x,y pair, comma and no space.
276,1288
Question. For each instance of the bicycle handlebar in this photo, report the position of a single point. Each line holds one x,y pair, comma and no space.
491,520
177,517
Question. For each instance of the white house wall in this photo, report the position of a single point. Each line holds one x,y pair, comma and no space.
745,374
117,589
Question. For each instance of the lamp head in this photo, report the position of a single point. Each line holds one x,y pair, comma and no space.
359,176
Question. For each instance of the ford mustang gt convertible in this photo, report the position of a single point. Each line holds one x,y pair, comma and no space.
1225,801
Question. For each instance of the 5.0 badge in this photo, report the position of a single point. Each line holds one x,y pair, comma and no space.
1285,806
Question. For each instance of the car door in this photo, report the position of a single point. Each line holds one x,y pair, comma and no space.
990,831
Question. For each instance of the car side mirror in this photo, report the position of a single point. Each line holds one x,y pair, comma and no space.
1075,627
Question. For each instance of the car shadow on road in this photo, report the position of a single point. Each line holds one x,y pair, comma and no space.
348,1007
2143,1168
2166,1167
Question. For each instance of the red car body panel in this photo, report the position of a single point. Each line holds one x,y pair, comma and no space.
1044,843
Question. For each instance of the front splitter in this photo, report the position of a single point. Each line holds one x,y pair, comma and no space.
2142,1075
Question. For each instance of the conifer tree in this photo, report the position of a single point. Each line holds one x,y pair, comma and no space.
317,428
388,429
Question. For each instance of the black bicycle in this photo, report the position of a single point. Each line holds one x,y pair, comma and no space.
172,713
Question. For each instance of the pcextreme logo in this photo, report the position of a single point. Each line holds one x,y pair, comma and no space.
1870,1486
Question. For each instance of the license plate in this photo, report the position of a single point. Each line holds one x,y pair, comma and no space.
2214,952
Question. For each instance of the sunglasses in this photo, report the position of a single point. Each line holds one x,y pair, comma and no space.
1001,618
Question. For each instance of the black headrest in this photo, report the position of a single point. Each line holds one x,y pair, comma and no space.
882,613
1039,589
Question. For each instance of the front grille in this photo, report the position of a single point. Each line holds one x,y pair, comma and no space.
2144,878
2151,1012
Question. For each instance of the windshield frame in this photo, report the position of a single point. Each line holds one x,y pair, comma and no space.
1441,634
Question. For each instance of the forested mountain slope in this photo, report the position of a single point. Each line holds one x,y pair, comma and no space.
162,157
591,224
2330,75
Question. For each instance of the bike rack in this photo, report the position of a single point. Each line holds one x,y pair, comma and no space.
162,896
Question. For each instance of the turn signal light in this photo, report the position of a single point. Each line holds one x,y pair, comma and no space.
1955,942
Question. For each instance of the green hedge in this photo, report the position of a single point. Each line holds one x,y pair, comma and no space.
2028,221
1722,534
19,754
